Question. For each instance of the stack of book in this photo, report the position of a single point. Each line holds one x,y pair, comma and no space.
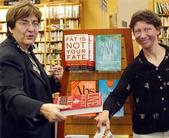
89,52
81,104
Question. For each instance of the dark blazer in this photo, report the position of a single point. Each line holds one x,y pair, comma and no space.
22,92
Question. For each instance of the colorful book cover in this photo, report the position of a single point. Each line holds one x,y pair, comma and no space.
76,51
81,104
80,87
105,88
108,52
83,88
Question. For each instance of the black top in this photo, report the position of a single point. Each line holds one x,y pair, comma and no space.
22,91
149,86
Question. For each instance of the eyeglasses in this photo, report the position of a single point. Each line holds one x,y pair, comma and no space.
26,24
146,30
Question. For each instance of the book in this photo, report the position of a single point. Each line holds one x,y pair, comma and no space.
108,52
79,52
81,104
105,88
13,2
76,51
79,87
91,62
77,136
121,136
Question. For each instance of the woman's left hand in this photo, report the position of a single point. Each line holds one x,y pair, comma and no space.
56,71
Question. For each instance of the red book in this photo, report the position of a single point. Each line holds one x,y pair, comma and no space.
83,87
91,61
81,104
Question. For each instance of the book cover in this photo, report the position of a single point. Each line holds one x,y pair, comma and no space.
105,88
81,104
121,136
80,87
77,136
76,51
108,52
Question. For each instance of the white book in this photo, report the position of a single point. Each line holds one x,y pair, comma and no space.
77,136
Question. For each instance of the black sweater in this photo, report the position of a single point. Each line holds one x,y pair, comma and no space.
149,86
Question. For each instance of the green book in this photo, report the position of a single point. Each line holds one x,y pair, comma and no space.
108,52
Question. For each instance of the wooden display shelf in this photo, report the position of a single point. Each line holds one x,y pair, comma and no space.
88,125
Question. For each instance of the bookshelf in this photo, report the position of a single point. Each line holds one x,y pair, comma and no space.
59,17
81,126
3,29
12,2
162,9
56,17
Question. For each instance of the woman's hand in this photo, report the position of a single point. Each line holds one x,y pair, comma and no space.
52,112
103,119
56,71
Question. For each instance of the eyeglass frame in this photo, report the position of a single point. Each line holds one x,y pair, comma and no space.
26,24
146,30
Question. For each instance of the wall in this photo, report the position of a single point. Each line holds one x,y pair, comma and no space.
112,13
93,15
127,8
1,3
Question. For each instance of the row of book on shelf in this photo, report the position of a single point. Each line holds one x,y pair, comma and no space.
89,52
66,11
161,7
85,99
87,136
13,2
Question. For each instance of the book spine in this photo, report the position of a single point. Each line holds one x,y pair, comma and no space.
80,101
91,62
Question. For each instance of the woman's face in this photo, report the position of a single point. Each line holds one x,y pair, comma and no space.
146,34
26,31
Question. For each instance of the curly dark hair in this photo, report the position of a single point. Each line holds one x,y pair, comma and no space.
147,16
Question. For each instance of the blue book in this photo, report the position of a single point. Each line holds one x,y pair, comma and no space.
108,52
106,87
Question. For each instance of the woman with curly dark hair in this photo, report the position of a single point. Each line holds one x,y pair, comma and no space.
147,79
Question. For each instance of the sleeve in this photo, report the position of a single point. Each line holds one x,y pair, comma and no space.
55,85
14,99
116,99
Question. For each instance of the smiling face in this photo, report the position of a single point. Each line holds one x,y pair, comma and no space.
146,34
25,31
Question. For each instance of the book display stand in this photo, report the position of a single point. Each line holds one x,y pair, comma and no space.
82,126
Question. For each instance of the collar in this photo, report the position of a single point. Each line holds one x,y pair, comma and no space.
28,51
141,58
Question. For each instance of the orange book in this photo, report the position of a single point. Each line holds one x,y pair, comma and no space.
83,88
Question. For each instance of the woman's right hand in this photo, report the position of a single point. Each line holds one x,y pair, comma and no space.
52,112
102,119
